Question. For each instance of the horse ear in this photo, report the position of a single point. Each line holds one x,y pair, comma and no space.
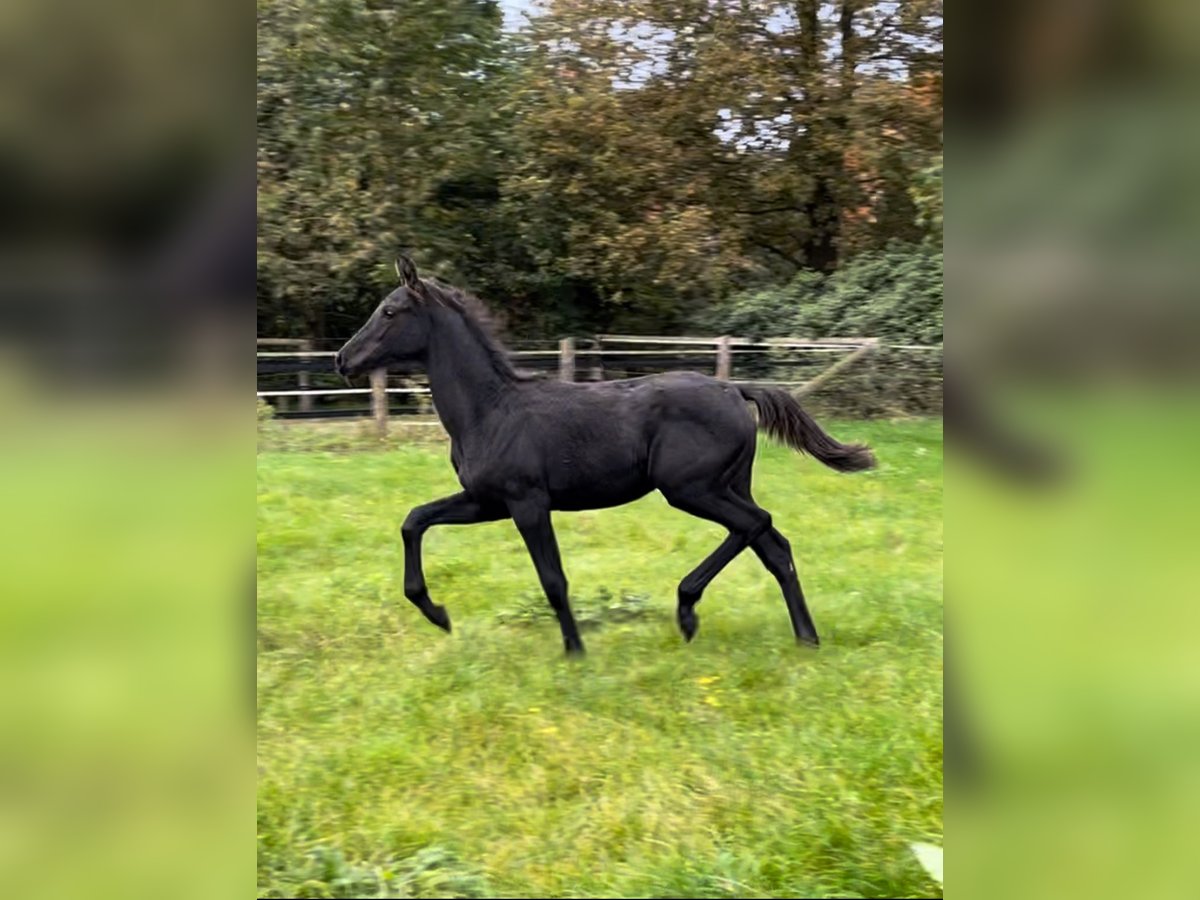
407,271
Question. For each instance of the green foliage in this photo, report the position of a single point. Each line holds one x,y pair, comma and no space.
894,294
429,873
765,312
364,113
737,765
927,195
576,177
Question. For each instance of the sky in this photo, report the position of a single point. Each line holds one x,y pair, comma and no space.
513,12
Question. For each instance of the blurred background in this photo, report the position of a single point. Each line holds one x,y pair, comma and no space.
1071,431
126,288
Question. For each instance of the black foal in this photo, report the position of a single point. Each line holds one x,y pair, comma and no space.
523,447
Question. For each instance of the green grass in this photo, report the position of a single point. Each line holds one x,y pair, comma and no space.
395,760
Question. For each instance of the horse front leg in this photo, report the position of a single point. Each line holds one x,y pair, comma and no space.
533,521
458,509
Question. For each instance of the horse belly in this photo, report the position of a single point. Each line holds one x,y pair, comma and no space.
583,483
584,498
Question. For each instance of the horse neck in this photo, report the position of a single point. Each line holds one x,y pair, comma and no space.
464,378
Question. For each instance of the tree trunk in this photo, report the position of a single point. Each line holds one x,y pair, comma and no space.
823,205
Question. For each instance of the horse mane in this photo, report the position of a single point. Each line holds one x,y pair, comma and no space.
480,324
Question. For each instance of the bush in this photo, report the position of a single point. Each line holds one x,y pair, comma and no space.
893,294
768,312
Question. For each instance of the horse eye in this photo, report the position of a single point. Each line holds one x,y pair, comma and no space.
389,312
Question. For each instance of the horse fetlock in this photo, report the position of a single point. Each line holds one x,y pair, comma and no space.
691,589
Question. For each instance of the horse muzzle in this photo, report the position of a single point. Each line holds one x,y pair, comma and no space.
339,366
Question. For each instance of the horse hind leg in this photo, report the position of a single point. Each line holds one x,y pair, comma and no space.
775,553
773,549
745,521
693,585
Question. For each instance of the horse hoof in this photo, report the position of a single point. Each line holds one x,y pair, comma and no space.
576,651
812,642
689,623
439,617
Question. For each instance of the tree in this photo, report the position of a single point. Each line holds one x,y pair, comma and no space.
620,164
366,111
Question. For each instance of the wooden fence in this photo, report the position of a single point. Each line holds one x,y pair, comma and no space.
600,358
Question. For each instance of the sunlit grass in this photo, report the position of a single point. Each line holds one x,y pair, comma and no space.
395,758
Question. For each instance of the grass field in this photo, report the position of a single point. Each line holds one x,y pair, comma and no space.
395,760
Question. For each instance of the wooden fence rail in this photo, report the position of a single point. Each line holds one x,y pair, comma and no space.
723,351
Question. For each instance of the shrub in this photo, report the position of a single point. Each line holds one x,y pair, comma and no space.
893,294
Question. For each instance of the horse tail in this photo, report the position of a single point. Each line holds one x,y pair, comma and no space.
782,417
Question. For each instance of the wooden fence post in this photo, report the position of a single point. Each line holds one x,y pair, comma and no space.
868,346
379,401
303,379
566,359
598,360
724,358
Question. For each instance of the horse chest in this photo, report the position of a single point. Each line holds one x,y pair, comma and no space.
481,476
